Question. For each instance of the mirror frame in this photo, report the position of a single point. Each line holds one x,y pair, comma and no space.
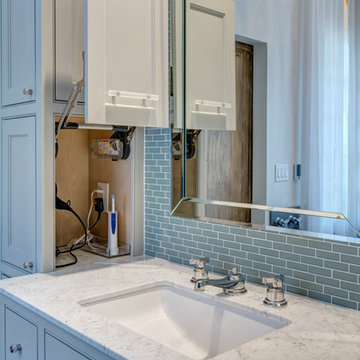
177,36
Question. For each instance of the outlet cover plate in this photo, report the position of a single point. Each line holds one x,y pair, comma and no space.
104,187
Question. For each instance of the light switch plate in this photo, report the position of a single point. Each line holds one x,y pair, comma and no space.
281,172
104,187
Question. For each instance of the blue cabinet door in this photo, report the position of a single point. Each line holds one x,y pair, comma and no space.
18,47
21,338
18,192
58,350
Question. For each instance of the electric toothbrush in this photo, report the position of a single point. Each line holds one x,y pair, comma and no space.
112,229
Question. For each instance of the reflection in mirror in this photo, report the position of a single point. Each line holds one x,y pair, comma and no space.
178,182
295,138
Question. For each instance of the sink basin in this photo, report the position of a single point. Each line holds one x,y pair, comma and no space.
198,326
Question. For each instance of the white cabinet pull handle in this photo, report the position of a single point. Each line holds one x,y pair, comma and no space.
28,265
121,95
133,95
15,348
216,104
28,91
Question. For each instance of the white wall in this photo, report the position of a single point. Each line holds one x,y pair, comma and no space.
274,23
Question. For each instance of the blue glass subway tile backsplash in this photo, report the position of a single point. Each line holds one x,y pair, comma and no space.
318,268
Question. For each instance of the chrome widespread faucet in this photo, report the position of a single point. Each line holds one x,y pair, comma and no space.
233,284
274,291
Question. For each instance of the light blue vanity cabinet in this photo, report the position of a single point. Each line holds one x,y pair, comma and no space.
18,192
25,335
18,80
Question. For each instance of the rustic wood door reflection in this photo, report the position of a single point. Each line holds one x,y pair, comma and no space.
229,154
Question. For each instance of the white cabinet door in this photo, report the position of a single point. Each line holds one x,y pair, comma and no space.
127,62
18,51
210,65
18,192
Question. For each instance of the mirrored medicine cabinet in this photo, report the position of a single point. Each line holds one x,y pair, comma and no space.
265,113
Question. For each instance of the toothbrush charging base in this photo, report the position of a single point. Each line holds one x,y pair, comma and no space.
99,247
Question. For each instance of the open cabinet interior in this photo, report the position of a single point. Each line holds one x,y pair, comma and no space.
78,170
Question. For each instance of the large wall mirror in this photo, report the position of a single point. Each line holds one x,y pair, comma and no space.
266,112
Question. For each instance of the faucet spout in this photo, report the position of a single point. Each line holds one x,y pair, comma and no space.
232,284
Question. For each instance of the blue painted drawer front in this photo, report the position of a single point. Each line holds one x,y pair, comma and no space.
18,191
18,51
57,350
19,331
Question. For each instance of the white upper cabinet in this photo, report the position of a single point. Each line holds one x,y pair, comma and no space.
127,62
18,49
210,65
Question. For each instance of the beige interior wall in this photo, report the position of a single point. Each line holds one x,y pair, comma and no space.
118,175
72,179
77,174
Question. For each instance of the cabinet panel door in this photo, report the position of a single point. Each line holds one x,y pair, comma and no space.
19,331
18,192
127,62
210,65
69,46
57,350
18,51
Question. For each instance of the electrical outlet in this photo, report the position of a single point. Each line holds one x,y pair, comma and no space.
105,188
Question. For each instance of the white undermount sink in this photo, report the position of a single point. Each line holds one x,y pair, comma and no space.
197,326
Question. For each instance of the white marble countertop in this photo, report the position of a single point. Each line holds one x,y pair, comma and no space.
317,331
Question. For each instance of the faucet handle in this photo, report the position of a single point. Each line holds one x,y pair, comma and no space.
274,294
294,220
199,262
200,271
276,282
